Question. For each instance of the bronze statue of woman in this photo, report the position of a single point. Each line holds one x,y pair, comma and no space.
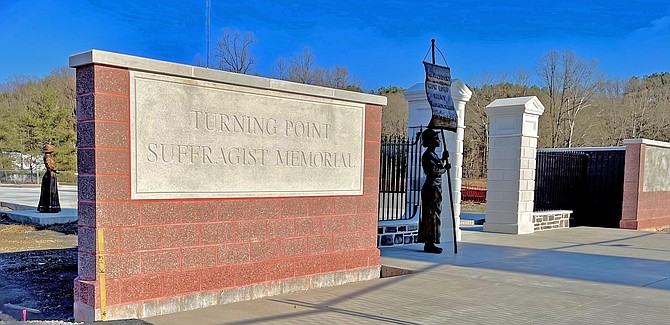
49,202
431,193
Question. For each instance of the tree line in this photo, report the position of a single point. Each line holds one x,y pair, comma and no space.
582,106
34,112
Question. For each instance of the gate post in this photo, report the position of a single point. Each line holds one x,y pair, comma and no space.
461,95
511,164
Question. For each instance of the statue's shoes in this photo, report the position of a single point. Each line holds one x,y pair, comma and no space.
432,249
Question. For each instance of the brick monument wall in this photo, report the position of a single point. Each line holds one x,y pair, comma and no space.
168,255
646,191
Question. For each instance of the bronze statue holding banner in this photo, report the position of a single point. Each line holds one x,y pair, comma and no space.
431,193
444,117
49,201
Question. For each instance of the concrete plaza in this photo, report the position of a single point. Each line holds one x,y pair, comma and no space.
28,196
566,276
23,200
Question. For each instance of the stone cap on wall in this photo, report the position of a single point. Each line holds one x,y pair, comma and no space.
189,71
516,105
647,142
582,149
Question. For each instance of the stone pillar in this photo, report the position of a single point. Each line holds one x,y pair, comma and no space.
511,164
634,166
646,187
461,95
420,114
418,109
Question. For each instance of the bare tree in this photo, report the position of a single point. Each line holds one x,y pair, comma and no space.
570,83
475,150
522,78
647,101
549,71
611,116
394,115
335,78
200,62
280,69
232,51
303,66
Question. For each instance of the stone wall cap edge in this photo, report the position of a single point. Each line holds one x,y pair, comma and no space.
182,70
647,142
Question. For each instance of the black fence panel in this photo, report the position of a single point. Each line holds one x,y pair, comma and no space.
559,180
588,182
604,187
399,177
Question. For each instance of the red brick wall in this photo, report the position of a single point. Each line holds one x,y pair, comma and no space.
169,248
641,210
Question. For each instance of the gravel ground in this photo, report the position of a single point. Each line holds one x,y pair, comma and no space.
469,207
37,270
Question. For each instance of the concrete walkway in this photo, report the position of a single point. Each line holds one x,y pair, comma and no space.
28,196
23,200
568,276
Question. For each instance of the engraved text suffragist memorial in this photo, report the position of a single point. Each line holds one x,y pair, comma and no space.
198,139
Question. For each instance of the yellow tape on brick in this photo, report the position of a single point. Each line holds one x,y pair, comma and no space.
101,273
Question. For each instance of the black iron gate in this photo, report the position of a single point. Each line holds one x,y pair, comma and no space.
400,176
588,182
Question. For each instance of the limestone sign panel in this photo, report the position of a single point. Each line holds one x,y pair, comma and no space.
656,170
198,139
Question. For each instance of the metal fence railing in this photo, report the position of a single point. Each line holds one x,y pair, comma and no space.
559,180
34,177
19,177
400,177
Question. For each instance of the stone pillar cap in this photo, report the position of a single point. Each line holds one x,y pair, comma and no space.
647,141
516,105
459,91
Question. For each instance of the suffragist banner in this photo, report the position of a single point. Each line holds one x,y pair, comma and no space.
438,90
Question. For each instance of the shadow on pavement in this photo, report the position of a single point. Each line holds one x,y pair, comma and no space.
328,306
614,263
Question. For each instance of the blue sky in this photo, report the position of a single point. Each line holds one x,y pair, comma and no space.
381,42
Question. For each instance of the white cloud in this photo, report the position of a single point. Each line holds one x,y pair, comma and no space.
658,29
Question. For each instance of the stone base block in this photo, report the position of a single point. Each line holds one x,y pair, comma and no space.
33,217
162,306
645,224
548,220
396,233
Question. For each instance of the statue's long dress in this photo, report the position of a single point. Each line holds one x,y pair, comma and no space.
49,202
431,198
